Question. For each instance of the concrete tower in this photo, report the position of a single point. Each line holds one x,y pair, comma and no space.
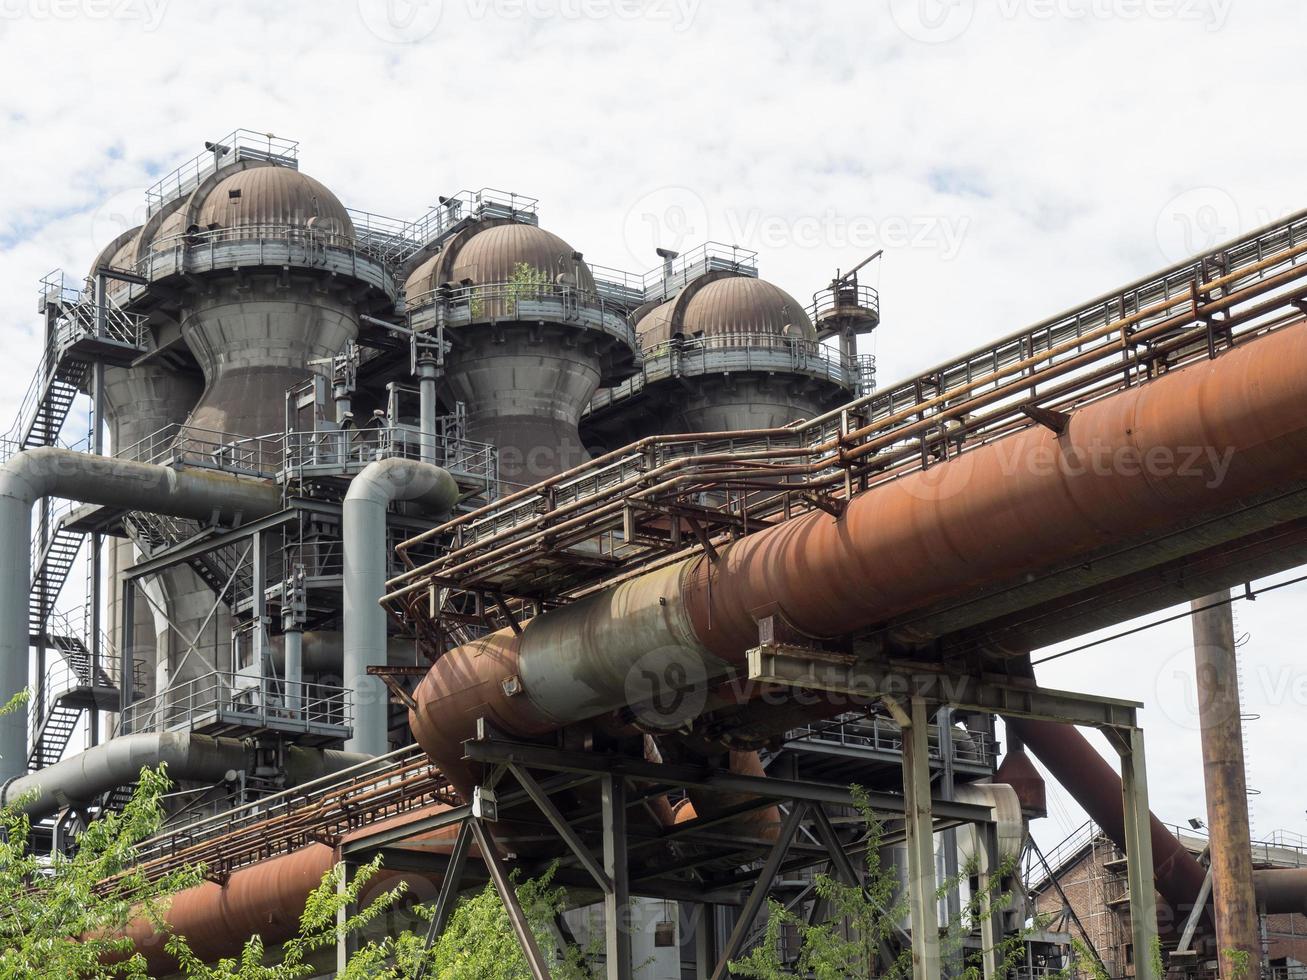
530,340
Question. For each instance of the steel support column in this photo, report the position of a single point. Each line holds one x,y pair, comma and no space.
1139,849
489,848
919,825
988,911
758,896
617,899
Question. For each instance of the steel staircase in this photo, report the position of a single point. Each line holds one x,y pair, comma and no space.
50,572
154,533
72,686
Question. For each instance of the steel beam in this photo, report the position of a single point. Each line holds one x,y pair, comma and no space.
489,848
449,887
840,674
1139,850
205,541
617,898
753,904
920,844
700,777
564,830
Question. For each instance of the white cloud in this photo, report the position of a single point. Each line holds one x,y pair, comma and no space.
1059,143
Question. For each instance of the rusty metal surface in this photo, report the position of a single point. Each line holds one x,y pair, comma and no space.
1019,505
1220,724
1004,510
720,304
583,529
1095,785
272,196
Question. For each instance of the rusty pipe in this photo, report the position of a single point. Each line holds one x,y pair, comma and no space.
1032,500
1095,785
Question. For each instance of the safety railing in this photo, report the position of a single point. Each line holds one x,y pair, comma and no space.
844,301
235,146
324,809
1187,313
233,699
346,451
317,243
738,352
880,735
530,301
630,289
178,444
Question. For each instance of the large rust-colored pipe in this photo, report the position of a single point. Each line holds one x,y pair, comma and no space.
1188,445
1096,786
266,898
1221,730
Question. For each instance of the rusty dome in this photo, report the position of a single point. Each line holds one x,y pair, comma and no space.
276,196
493,255
118,254
727,305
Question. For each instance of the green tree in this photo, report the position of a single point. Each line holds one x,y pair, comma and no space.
60,917
857,937
479,944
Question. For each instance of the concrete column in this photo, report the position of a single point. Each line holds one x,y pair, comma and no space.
1221,727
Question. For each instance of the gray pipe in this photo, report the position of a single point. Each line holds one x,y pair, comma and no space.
428,371
322,652
363,528
51,472
82,778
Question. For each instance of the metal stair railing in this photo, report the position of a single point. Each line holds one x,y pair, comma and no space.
219,569
51,566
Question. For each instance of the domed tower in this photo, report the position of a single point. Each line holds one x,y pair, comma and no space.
727,352
530,340
273,284
139,401
251,268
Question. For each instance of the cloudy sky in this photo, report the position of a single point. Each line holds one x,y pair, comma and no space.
1012,157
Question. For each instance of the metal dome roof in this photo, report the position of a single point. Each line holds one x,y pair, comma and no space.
493,254
118,254
277,196
727,305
